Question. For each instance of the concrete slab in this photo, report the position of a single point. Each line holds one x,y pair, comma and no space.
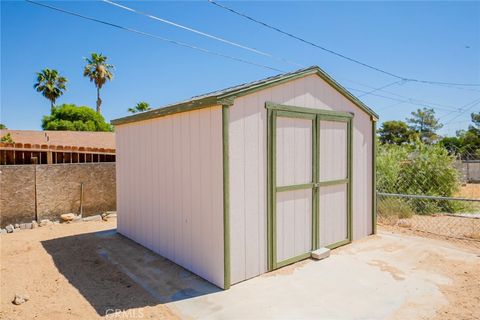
375,278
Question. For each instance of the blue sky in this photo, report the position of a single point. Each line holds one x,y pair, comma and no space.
437,41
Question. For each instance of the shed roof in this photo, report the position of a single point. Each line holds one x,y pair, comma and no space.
221,96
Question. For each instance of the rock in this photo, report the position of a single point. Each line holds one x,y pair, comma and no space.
24,226
3,231
9,228
67,217
109,214
93,218
77,219
404,223
17,226
34,224
20,298
45,222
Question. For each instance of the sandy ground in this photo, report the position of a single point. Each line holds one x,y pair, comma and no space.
60,269
471,190
76,271
465,229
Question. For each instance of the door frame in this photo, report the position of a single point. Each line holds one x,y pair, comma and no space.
275,110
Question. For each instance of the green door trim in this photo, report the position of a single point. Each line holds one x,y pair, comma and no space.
348,181
273,189
326,113
275,110
296,187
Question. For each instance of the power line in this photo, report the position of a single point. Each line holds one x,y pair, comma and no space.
468,107
402,96
380,88
183,44
408,101
263,53
334,52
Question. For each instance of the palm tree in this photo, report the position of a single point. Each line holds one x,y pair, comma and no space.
98,71
51,85
140,107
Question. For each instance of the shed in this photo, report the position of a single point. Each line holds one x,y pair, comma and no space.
245,180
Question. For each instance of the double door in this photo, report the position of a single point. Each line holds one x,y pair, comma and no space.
309,181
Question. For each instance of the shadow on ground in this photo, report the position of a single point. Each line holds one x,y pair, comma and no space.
113,272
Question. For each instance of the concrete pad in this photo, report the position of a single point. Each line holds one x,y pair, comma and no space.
375,278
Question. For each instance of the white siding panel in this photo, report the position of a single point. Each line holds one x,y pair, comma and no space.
310,92
333,214
294,151
170,188
333,150
294,223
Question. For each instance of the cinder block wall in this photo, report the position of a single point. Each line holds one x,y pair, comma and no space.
55,189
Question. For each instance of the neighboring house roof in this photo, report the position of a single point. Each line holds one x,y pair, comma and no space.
221,96
84,139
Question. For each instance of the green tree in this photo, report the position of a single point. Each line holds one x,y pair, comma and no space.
395,132
2,126
99,72
51,85
424,122
466,143
72,118
7,138
140,107
475,126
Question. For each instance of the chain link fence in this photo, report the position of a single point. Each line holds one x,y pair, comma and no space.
424,189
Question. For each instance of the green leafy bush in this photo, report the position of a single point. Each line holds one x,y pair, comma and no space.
72,118
418,169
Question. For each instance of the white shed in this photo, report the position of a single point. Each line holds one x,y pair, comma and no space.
239,182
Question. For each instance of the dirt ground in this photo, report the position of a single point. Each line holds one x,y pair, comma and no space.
66,273
471,190
460,229
87,287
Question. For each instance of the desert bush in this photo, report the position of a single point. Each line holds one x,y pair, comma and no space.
418,169
392,209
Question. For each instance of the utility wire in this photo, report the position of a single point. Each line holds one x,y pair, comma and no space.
263,53
334,52
473,105
380,88
183,44
469,106
408,101
402,96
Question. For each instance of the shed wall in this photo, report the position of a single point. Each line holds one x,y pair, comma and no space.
248,167
170,188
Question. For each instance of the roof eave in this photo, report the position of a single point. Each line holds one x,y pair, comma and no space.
169,110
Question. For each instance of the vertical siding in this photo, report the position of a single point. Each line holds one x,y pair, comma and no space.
333,214
294,151
333,150
248,160
170,188
294,223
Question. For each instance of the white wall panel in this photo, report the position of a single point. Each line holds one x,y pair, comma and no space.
333,214
170,188
294,151
294,223
333,150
